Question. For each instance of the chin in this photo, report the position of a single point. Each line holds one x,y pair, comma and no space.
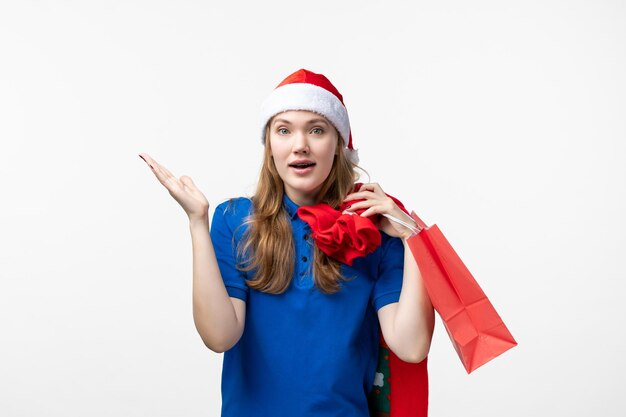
305,188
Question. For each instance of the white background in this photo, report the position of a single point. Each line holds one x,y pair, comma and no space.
503,122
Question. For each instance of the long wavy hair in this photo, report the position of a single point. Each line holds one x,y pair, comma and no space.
267,246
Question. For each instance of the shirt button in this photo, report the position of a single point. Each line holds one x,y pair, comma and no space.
304,259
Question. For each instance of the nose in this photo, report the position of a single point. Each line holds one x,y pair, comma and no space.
301,143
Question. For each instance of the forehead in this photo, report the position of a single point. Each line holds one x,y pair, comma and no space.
299,116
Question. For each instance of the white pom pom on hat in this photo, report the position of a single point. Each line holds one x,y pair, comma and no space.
306,90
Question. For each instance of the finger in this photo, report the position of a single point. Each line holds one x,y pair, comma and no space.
360,194
158,168
160,171
149,160
372,186
370,211
166,171
164,175
145,159
362,204
188,183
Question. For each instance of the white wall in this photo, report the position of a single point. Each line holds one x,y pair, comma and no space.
502,122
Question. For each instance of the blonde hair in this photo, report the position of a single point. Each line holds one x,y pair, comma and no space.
268,242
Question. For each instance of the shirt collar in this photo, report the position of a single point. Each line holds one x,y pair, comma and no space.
290,206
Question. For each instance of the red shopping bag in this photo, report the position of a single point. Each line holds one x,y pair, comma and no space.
475,328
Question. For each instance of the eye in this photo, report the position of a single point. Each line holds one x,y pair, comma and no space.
319,129
280,130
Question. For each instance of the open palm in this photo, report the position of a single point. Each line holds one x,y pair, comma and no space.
182,189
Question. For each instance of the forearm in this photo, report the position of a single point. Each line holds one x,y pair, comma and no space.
415,318
213,311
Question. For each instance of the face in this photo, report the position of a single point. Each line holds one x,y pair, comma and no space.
303,146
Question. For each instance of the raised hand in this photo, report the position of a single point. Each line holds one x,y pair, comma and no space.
182,189
375,201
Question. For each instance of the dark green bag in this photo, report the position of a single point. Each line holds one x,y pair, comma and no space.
378,398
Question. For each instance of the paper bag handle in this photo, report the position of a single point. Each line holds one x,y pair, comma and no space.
420,224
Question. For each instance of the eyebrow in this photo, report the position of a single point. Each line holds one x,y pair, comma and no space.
309,122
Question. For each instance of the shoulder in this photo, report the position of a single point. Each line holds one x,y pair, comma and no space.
387,244
233,211
234,206
390,251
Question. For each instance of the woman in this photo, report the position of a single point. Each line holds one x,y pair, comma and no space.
298,323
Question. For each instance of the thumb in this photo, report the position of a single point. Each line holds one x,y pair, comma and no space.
187,182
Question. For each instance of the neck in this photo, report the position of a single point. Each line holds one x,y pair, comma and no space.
301,199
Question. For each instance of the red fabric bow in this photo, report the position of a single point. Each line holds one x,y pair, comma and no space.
344,236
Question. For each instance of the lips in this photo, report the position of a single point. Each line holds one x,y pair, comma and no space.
302,164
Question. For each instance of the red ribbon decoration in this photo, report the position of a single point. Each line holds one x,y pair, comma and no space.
344,236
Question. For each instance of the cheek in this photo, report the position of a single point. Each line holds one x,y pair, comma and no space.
328,160
278,152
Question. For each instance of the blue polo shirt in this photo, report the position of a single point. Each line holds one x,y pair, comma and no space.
303,353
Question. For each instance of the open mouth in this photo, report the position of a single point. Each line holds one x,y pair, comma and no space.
302,166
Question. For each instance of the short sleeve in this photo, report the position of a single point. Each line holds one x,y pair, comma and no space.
390,272
226,216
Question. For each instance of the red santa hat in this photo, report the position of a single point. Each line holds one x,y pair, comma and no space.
306,90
